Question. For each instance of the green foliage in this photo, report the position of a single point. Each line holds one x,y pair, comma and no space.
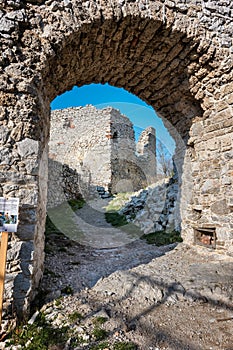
75,316
99,320
67,290
125,346
115,219
77,340
76,203
38,336
100,346
119,201
160,238
99,333
58,301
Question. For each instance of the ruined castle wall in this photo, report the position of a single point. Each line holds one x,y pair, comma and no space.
79,139
89,148
122,154
175,55
146,154
130,171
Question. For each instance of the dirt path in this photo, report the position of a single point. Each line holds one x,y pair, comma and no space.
173,299
168,298
97,232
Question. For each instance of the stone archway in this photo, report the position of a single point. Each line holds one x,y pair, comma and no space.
168,53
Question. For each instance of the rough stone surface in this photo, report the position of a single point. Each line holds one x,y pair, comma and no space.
91,148
154,208
176,56
159,298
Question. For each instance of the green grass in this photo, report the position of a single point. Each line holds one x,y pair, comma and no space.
62,218
50,227
119,201
115,219
100,346
76,203
38,336
99,320
160,238
119,221
124,346
61,221
58,302
115,346
67,290
99,333
75,316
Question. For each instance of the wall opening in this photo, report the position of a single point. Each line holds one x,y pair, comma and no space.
71,128
132,161
205,236
170,56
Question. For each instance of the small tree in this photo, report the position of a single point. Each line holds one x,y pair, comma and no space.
164,160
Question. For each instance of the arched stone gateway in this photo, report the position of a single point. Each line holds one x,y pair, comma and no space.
174,55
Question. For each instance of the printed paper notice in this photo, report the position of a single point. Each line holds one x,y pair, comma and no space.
9,212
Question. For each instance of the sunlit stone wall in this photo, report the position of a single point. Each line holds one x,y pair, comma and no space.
175,55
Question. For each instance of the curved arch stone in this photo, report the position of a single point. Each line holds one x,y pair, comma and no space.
175,56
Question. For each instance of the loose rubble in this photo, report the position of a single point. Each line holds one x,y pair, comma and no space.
155,208
167,298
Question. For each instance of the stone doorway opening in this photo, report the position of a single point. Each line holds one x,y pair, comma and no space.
164,56
85,160
120,252
167,89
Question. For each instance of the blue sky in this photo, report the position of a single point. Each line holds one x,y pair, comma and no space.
105,95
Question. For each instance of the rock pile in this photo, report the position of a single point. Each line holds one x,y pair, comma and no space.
102,192
154,208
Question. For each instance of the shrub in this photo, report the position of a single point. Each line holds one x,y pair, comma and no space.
76,203
160,238
40,335
100,334
100,320
75,316
115,219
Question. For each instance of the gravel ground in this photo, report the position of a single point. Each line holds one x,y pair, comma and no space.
159,298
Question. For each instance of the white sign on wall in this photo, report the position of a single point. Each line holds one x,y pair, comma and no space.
9,213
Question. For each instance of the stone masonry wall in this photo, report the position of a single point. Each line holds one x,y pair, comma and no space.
78,139
146,149
175,55
89,148
154,208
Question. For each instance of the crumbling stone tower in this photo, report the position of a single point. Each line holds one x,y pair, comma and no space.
175,55
146,150
89,148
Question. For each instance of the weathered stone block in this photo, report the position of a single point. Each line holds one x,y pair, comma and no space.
28,148
220,207
26,232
